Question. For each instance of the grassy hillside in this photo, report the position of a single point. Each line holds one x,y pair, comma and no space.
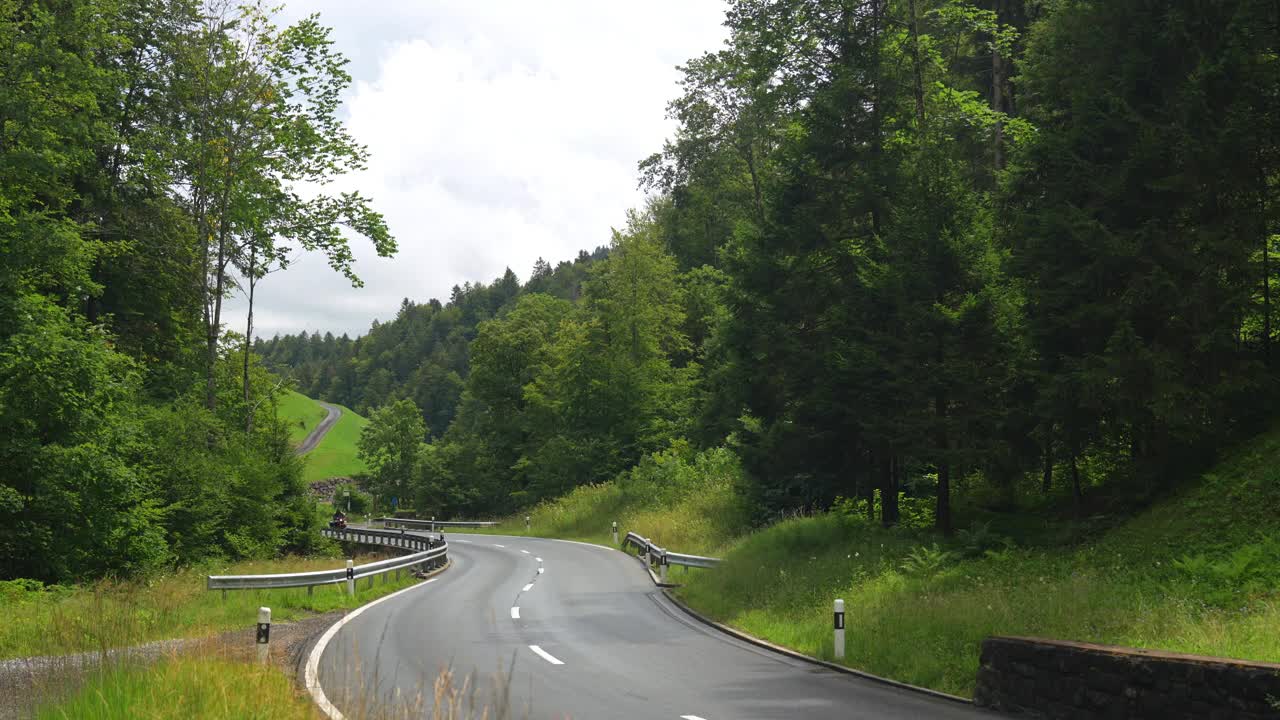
1197,572
301,414
335,456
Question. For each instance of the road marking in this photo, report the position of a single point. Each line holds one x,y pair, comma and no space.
468,542
538,559
527,588
539,571
545,655
515,612
311,676
526,552
497,545
691,717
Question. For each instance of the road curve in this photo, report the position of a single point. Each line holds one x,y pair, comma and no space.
315,436
590,637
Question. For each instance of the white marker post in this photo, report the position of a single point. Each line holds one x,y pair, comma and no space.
662,567
433,523
264,634
839,628
526,522
615,532
351,578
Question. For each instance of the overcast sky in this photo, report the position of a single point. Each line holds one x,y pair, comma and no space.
500,131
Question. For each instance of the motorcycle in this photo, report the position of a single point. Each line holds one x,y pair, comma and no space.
338,524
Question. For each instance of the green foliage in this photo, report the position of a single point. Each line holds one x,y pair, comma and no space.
349,498
389,445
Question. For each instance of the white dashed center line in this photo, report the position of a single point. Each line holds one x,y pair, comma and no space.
515,613
526,552
691,717
545,655
527,588
497,545
538,559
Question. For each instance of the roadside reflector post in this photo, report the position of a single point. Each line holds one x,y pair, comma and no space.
351,578
433,523
264,634
526,522
662,567
839,628
615,532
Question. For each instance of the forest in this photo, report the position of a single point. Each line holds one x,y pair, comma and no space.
931,252
150,155
938,250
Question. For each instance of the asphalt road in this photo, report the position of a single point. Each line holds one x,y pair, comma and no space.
591,638
315,436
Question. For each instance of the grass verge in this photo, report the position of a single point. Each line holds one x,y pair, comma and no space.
187,689
59,620
1195,573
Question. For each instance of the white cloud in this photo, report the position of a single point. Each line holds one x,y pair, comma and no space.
499,132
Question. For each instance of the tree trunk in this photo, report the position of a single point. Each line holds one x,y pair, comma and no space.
1077,496
869,487
997,94
889,492
248,334
1047,484
942,514
1266,269
917,70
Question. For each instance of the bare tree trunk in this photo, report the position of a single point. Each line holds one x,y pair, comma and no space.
1077,495
1048,461
889,492
997,94
917,69
248,333
942,514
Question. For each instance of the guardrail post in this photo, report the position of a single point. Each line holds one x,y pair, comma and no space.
264,634
351,578
839,628
615,532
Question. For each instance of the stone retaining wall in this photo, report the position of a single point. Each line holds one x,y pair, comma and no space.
1053,679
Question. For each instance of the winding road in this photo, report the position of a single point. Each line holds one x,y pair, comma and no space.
321,430
577,631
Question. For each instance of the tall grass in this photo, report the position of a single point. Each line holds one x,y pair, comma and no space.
111,614
186,688
1197,573
692,502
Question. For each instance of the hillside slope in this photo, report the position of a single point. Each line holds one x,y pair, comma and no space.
1197,572
335,456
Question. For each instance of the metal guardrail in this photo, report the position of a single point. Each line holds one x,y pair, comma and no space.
433,524
423,551
655,554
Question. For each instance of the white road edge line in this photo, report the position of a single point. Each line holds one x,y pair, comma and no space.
545,655
311,675
527,588
515,612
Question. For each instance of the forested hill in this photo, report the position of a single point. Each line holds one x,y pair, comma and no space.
958,250
423,354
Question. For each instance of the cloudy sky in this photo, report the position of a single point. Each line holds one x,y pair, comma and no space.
500,131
